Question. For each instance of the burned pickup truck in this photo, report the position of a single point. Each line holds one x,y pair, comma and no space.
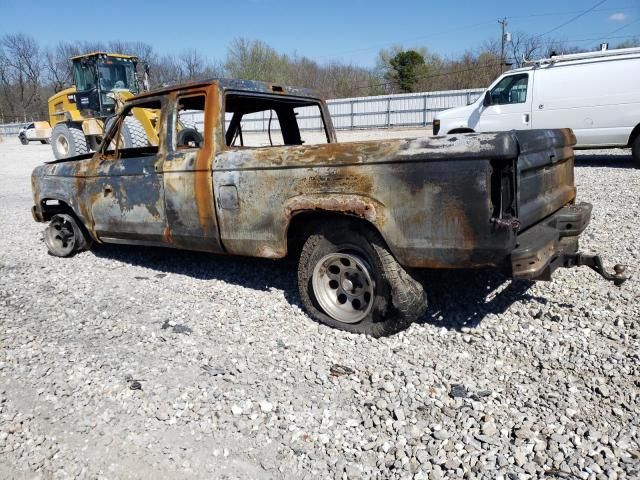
249,168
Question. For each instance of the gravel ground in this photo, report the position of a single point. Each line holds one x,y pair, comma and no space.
128,362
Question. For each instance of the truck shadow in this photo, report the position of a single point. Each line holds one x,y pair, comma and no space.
463,298
457,298
253,273
599,160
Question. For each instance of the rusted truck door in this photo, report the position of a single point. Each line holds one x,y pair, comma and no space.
124,187
188,184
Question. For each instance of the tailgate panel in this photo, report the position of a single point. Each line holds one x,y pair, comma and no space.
545,173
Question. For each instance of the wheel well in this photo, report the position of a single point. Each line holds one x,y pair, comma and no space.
460,130
304,224
634,134
53,206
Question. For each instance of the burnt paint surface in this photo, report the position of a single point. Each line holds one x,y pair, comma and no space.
427,197
430,198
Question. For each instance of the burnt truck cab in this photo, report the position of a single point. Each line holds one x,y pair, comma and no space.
255,169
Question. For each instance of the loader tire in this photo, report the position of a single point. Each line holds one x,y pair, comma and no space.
348,279
133,134
68,140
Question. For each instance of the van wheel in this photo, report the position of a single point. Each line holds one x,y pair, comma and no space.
64,236
23,140
349,280
635,150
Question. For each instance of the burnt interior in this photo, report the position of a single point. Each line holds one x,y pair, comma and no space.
116,147
503,189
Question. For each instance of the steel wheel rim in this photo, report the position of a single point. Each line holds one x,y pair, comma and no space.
62,145
343,286
60,236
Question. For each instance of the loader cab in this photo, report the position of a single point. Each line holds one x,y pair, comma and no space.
96,75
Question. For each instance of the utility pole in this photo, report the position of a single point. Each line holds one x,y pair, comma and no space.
503,23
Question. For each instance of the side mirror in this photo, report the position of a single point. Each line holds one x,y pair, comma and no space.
488,100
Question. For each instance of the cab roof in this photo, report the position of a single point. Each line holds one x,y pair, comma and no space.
227,84
95,54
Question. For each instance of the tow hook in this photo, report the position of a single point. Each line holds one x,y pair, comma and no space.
594,262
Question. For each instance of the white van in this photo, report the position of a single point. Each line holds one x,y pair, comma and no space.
597,94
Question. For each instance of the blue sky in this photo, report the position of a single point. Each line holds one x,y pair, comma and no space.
346,30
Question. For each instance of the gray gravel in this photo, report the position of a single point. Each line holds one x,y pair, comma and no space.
129,362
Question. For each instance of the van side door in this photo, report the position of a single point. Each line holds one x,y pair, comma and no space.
507,105
599,99
188,182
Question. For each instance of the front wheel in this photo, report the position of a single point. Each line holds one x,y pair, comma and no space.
64,236
349,280
23,140
68,140
635,150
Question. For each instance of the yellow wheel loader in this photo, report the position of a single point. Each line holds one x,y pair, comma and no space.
80,115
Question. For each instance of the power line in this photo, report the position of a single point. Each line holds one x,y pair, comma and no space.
471,69
423,37
625,26
433,75
607,37
475,25
572,19
555,14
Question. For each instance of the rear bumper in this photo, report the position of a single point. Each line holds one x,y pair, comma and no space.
550,244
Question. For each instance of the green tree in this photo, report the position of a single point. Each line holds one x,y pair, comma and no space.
407,67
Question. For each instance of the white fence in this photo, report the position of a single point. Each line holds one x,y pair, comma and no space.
383,111
403,110
9,129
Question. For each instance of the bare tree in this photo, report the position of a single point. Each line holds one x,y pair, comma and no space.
21,61
255,60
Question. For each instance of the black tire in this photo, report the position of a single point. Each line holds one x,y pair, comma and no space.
397,300
68,140
133,134
23,140
189,137
64,236
44,142
635,150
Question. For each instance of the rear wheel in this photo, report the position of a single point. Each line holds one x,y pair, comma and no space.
68,140
349,280
635,150
64,236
